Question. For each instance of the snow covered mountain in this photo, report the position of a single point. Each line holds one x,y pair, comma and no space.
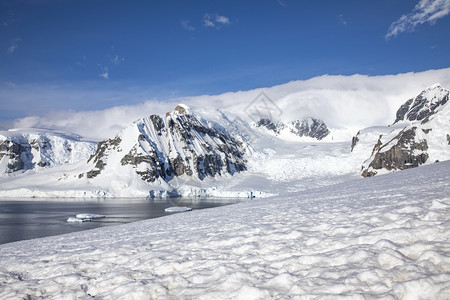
209,152
419,135
307,127
34,149
157,149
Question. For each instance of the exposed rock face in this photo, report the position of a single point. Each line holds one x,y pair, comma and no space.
308,127
426,124
402,152
16,154
425,105
24,150
179,144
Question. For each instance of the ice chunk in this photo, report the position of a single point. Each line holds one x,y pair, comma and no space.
76,220
177,209
89,216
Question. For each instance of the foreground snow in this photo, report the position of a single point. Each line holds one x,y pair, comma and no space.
384,237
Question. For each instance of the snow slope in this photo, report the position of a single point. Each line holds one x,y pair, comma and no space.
384,237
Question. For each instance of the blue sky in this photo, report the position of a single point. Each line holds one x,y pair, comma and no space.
93,54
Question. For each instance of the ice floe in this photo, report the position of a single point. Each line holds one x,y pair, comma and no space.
177,209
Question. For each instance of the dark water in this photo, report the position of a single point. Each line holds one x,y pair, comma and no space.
28,219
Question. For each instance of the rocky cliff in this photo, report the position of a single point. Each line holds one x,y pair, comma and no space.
179,144
418,135
22,150
307,127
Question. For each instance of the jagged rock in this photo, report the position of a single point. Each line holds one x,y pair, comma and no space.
424,105
275,127
425,118
32,150
405,152
307,127
355,141
179,144
13,151
311,127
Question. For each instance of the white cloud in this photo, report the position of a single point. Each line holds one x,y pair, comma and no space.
342,20
222,20
215,20
354,102
105,73
426,11
14,45
186,24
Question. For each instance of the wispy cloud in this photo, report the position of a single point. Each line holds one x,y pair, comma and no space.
82,62
342,20
186,24
116,59
281,2
215,20
426,11
105,72
14,45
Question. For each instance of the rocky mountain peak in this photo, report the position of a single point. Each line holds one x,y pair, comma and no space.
423,139
180,109
426,104
161,148
306,127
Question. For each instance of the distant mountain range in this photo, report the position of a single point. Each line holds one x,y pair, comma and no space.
185,147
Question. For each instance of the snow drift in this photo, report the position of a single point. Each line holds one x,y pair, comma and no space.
383,237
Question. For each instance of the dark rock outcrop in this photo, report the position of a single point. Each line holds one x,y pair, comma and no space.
24,150
424,105
404,153
17,153
408,147
179,144
307,127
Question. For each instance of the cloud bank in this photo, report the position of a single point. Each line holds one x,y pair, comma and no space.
343,102
426,11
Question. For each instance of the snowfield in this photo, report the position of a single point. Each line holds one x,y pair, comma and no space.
382,237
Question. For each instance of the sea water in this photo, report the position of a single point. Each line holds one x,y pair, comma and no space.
31,218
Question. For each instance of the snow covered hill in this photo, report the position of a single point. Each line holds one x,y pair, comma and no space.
420,134
35,149
386,237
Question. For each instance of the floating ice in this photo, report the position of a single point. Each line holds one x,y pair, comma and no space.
76,220
89,216
177,209
79,218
